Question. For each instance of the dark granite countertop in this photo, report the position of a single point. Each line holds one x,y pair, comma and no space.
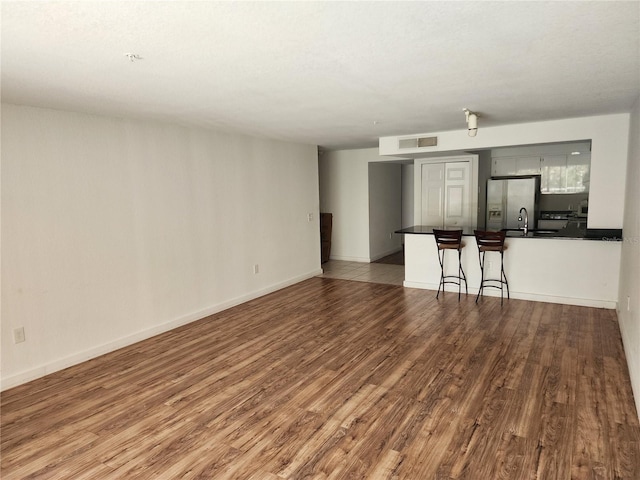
570,232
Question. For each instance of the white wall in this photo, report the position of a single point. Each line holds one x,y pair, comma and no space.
484,174
630,261
609,135
385,209
407,195
114,230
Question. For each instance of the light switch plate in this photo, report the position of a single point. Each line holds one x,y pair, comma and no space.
18,335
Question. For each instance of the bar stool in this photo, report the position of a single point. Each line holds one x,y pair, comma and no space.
491,242
450,240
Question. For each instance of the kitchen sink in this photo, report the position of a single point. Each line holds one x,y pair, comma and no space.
532,232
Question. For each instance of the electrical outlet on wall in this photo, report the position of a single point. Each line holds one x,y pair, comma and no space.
256,269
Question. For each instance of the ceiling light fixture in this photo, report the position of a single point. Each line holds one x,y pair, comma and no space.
133,56
472,122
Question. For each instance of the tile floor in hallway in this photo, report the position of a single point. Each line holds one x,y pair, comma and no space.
364,272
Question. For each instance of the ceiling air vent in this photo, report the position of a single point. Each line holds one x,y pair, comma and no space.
418,142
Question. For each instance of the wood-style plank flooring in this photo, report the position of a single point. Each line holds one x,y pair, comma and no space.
333,379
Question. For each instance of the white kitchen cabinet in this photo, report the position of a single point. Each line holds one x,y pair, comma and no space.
528,165
503,166
564,168
565,173
554,174
578,172
509,166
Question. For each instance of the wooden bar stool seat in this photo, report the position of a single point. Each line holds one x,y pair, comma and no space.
491,242
450,240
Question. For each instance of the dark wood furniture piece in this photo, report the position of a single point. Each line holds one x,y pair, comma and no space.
326,224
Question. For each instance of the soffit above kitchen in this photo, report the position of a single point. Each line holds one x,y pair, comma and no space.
335,74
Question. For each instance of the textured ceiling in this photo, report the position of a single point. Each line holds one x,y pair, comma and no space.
336,74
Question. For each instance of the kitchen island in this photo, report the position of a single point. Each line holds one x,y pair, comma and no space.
576,266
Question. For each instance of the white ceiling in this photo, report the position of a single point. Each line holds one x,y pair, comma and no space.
336,74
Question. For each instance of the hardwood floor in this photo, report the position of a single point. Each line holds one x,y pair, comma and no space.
332,379
364,272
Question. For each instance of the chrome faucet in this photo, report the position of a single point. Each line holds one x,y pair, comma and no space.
526,220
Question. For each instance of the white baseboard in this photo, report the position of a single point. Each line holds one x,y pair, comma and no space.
350,259
583,302
93,352
631,351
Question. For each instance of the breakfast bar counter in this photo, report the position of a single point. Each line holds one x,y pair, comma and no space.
557,267
571,232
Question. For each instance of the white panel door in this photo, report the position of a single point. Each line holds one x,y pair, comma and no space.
433,194
457,187
446,192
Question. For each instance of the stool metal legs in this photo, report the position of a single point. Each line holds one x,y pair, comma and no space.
456,280
502,281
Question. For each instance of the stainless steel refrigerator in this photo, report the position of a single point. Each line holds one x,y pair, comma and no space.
506,196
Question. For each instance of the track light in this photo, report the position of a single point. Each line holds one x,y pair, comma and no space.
472,122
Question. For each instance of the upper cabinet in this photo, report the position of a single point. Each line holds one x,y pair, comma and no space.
528,165
504,166
565,173
554,174
564,168
578,173
508,166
